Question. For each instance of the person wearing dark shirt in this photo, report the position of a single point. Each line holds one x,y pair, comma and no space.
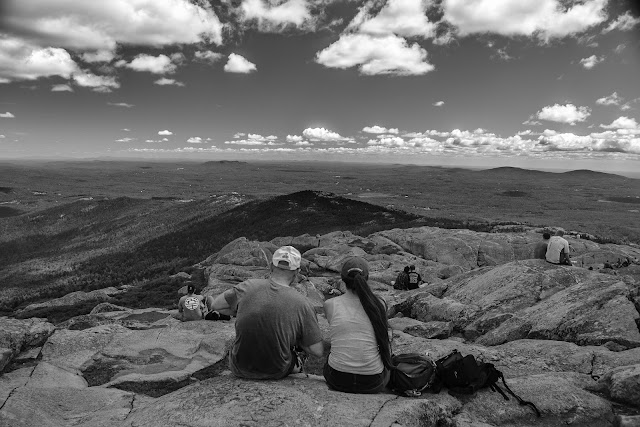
415,280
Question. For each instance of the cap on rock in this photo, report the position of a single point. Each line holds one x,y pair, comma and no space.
287,254
356,264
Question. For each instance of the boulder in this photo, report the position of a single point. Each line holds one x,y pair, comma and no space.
428,308
106,306
71,299
18,335
242,252
622,384
433,329
627,421
5,357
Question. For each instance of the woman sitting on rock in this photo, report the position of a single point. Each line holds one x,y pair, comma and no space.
360,358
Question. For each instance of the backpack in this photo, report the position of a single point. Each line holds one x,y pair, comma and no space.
413,373
464,375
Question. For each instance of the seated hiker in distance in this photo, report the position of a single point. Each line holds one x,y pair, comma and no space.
273,320
360,358
190,306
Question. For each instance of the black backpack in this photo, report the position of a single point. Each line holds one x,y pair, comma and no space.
464,375
413,373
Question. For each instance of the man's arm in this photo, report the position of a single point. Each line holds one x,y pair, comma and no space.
316,349
221,305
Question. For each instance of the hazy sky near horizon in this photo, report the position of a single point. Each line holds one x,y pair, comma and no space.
477,82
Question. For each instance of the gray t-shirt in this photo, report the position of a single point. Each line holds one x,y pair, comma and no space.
271,319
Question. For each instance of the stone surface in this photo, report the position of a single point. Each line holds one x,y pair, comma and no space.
5,357
73,298
106,307
21,334
623,384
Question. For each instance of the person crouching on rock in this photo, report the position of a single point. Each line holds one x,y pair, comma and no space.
360,358
190,306
273,321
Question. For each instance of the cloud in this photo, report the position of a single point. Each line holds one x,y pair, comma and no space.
82,25
207,56
620,48
305,143
624,23
120,104
622,123
438,103
274,17
238,64
375,55
104,55
167,82
246,142
322,134
544,19
591,61
390,141
160,64
612,99
7,115
195,140
294,138
406,18
2,136
126,130
97,83
20,60
126,139
165,132
531,122
61,88
253,139
379,129
239,135
568,113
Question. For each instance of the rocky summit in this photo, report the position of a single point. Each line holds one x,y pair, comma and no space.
566,338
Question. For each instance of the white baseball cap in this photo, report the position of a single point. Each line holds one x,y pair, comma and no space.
287,254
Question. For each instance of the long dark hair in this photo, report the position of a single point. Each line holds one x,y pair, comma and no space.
376,312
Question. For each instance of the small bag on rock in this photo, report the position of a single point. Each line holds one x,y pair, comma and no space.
413,374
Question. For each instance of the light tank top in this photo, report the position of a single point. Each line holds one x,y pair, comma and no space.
354,348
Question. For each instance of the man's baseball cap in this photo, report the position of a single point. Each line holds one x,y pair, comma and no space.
289,255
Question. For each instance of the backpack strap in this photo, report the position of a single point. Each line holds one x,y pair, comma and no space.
518,398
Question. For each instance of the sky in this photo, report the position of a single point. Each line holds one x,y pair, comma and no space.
526,83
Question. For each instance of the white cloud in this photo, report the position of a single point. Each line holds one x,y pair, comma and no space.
622,123
61,88
239,135
272,16
568,113
406,18
20,60
126,130
165,132
612,99
379,129
97,83
305,143
7,115
160,64
438,103
375,55
87,25
254,139
591,61
390,141
620,48
531,122
624,23
566,142
322,134
294,138
195,140
167,82
545,19
246,142
208,56
120,104
103,55
126,139
238,64
2,136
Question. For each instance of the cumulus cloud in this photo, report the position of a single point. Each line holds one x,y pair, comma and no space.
272,16
239,135
545,19
591,61
322,134
624,22
375,55
612,99
7,115
406,18
622,123
97,83
165,132
294,138
61,88
126,130
195,140
168,82
390,141
568,113
239,64
82,25
20,60
120,104
104,55
379,129
207,56
126,139
303,143
438,103
253,139
160,64
2,136
620,48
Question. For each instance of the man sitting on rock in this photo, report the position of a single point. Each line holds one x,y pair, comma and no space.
190,306
402,281
540,251
272,320
415,280
558,250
